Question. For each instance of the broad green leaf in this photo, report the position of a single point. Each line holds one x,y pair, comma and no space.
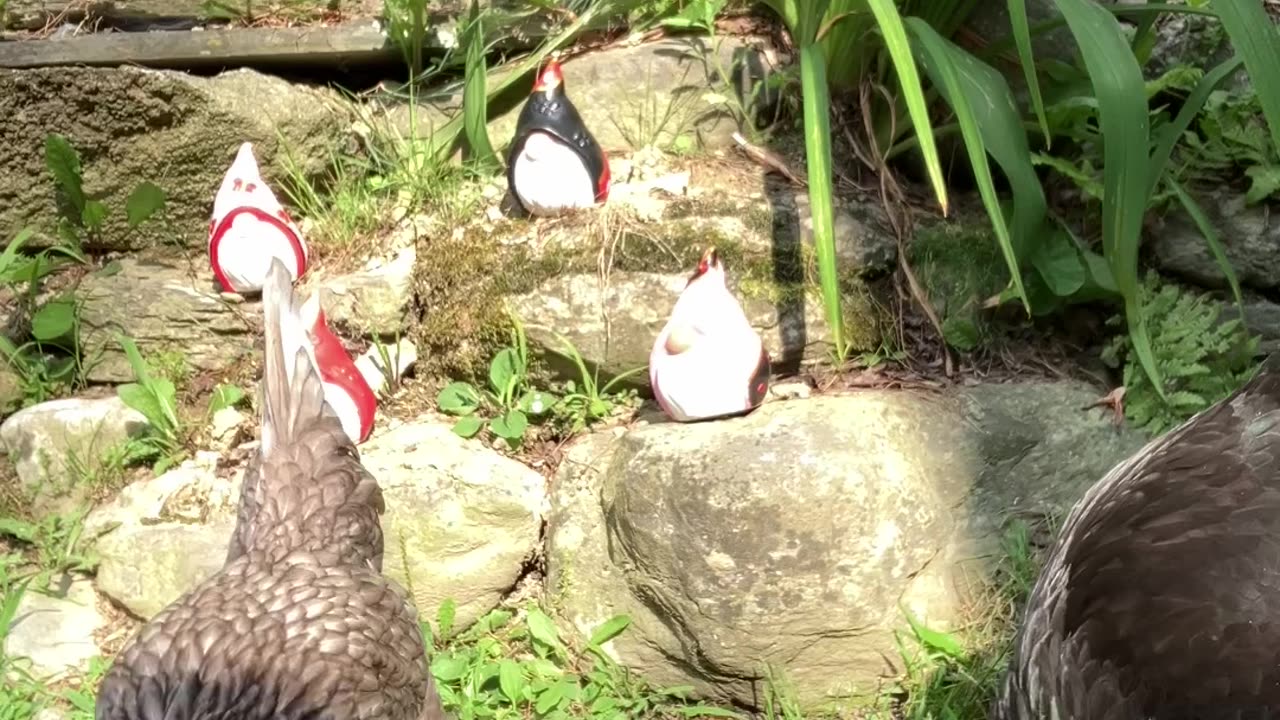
942,642
1264,182
1123,119
511,680
146,200
895,40
55,319
458,398
961,332
141,399
549,699
475,98
1059,264
467,426
504,372
93,214
136,363
1022,37
817,142
447,667
1253,35
610,629
989,122
167,398
63,163
20,529
225,396
542,628
510,425
1211,238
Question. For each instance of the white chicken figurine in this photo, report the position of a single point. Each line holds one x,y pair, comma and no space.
250,228
708,362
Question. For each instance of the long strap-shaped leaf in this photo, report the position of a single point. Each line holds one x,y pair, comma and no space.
1122,109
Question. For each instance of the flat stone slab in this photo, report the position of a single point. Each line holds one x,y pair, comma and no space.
355,43
189,49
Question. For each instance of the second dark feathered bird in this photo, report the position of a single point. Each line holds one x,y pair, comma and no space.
1161,596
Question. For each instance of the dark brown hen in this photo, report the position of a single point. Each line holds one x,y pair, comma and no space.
299,623
1161,596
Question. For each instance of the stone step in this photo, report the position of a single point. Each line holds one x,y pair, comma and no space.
175,14
351,44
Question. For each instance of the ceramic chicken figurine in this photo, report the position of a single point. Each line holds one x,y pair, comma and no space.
1161,595
299,622
708,361
249,228
555,164
345,389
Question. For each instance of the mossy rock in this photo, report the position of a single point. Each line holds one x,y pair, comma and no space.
555,273
960,265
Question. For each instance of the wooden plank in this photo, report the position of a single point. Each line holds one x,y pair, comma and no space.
354,43
185,14
224,47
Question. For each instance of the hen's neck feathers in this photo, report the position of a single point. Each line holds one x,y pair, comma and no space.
308,490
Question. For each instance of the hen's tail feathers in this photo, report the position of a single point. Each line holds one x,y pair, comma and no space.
292,392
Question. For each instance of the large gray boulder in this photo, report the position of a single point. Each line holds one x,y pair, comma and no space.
178,131
462,521
55,631
795,536
58,446
1249,237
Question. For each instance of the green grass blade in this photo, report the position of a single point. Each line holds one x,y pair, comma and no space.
1170,134
817,143
1022,37
1122,109
989,123
475,99
895,41
1211,238
1254,37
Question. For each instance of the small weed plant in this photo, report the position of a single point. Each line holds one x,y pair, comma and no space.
1201,357
83,217
511,401
957,674
156,398
58,544
510,665
508,402
584,401
51,361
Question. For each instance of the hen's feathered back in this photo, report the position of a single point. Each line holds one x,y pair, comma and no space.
299,623
1161,596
